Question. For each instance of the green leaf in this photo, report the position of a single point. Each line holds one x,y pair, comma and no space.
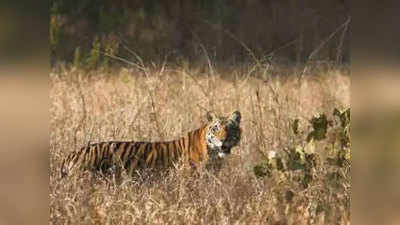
320,127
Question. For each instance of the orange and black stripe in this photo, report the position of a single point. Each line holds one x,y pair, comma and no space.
136,155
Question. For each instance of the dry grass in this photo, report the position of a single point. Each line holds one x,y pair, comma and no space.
166,103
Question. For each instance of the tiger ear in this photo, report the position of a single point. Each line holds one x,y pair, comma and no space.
211,116
235,117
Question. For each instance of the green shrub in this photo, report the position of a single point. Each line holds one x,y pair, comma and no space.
301,161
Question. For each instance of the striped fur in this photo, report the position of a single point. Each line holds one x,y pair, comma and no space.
212,140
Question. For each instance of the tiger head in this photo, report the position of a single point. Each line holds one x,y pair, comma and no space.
222,133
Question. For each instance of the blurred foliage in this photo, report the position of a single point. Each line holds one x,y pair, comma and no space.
54,29
307,158
320,126
344,117
306,168
295,126
77,57
93,58
229,31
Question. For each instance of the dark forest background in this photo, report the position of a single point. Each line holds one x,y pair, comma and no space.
224,31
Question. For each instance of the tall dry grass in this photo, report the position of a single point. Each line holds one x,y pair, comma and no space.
165,103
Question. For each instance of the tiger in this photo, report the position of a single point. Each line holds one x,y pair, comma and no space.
214,140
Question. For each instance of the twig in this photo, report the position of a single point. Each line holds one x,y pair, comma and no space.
313,53
271,53
123,60
204,51
340,47
231,35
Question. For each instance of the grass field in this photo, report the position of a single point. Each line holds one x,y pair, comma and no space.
165,103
